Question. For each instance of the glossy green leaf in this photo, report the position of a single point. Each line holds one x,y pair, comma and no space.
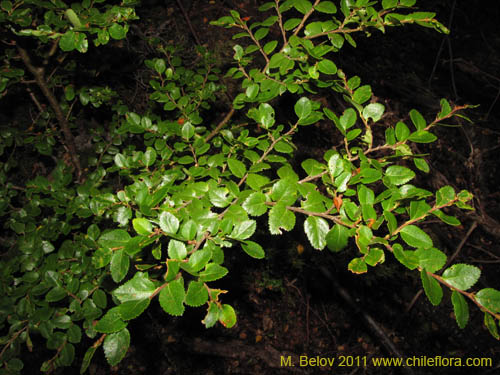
417,119
461,276
422,136
402,131
386,4
243,230
327,67
213,272
432,288
114,239
492,326
431,259
399,175
460,309
253,249
303,107
116,346
347,119
237,167
337,238
358,266
373,111
138,288
362,94
87,358
316,229
227,316
169,222
374,257
212,315
416,237
280,218
197,294
142,226
120,263
177,250
407,258
132,309
110,322
445,195
326,7
172,297
489,298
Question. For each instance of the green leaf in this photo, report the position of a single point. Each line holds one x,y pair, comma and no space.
445,195
366,195
284,191
117,31
431,259
407,258
177,250
362,94
402,131
326,7
489,298
116,346
110,322
253,249
421,164
399,175
169,223
337,238
68,41
138,288
199,259
417,119
270,46
56,294
347,119
87,358
252,91
280,218
327,67
432,288
142,226
418,209
460,309
149,157
266,115
227,316
291,23
491,324
373,111
416,237
115,239
303,108
261,33
422,136
212,315
255,204
303,6
461,276
335,165
120,263
243,230
213,272
256,181
374,257
316,229
132,309
357,266
172,297
237,167
386,4
197,294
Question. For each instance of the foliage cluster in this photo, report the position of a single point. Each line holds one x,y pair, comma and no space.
164,194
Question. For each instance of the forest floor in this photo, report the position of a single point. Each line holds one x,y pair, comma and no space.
295,303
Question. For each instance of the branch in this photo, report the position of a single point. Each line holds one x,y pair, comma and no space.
49,95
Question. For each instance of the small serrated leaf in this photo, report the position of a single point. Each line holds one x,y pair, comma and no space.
460,309
227,316
432,288
116,346
416,237
316,229
197,294
172,297
132,309
461,276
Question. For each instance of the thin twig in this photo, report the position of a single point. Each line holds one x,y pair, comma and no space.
186,17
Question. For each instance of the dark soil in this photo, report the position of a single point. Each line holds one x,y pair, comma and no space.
291,303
